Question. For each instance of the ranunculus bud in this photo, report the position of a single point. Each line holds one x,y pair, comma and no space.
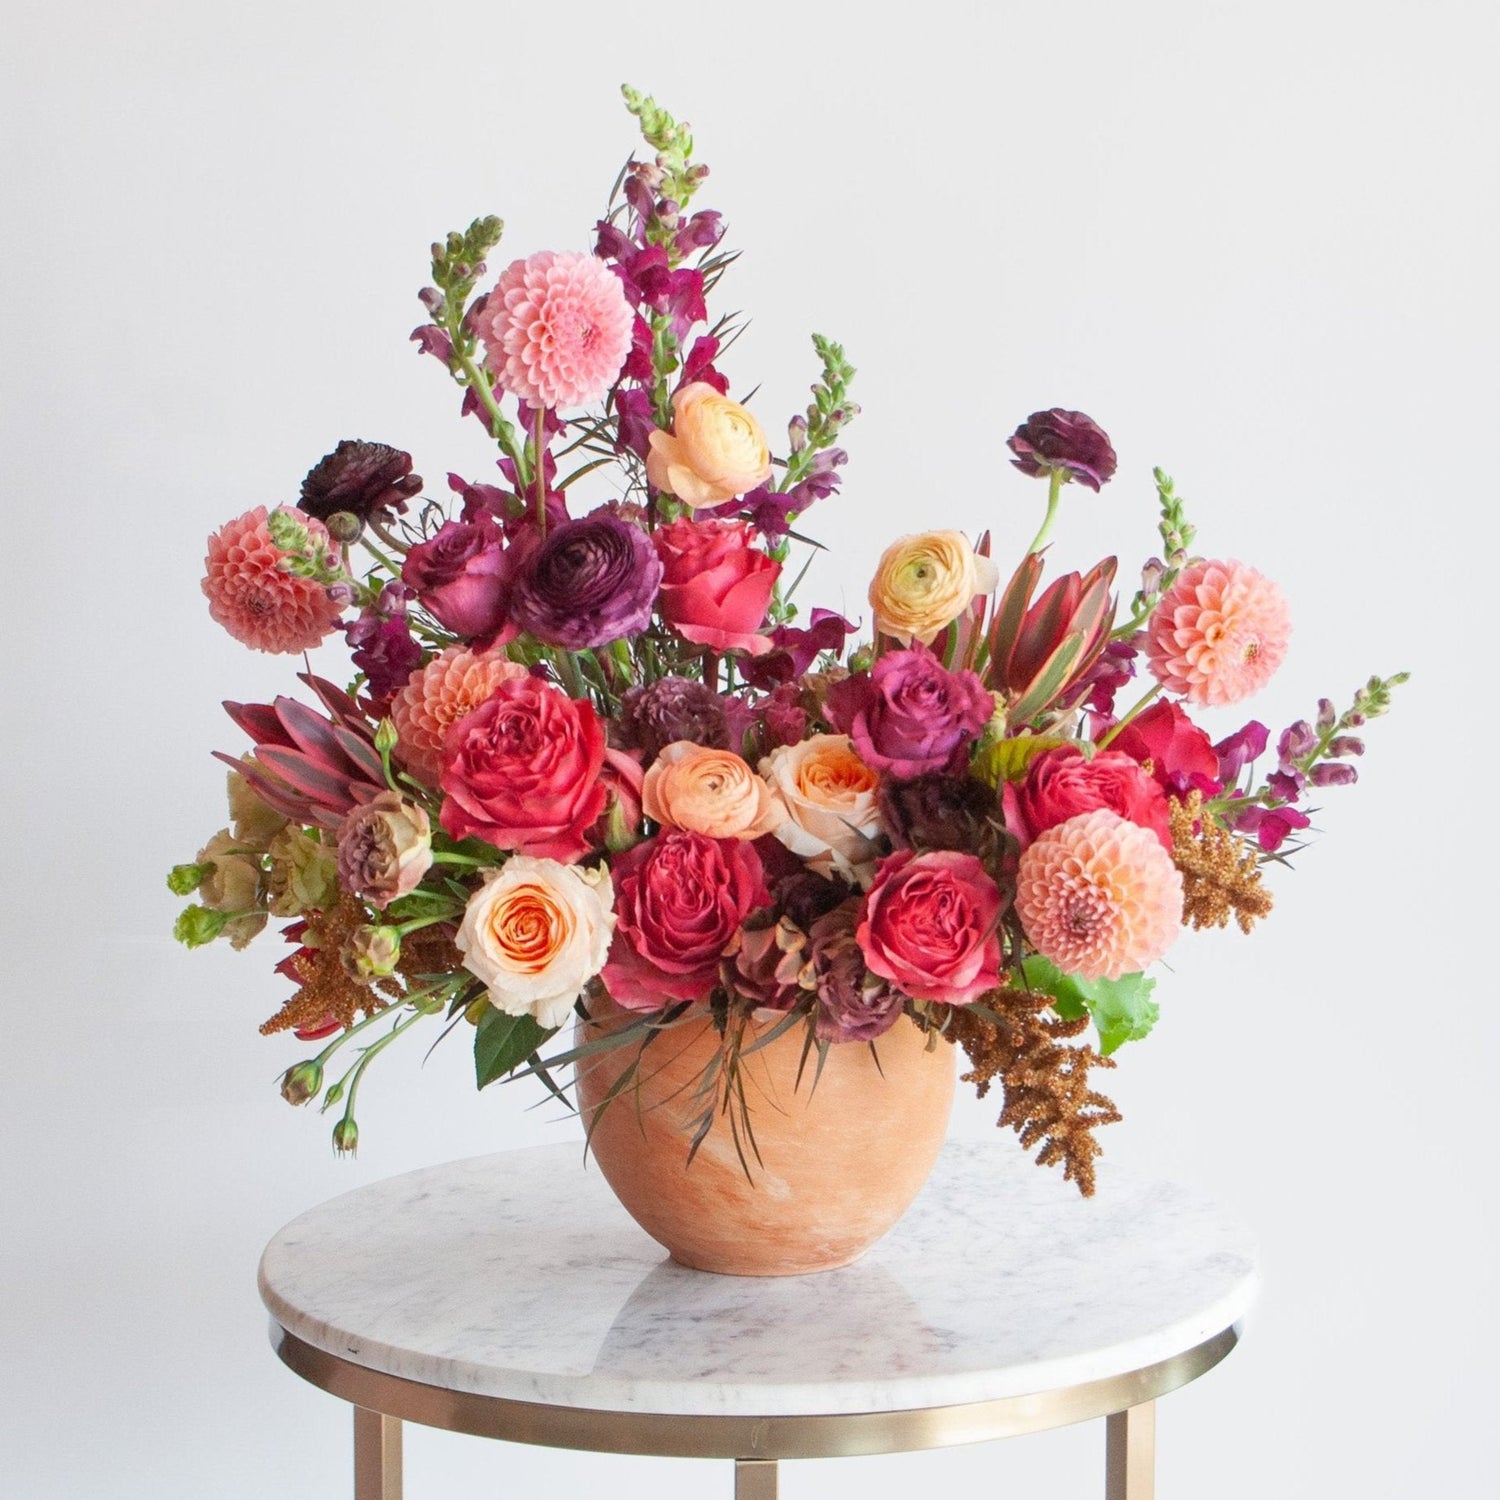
302,1082
368,481
370,953
1065,442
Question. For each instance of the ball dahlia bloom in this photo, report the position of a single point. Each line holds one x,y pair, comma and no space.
1219,633
451,685
1099,896
556,328
257,601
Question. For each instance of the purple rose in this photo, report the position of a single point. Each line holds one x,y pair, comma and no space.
910,715
854,1005
458,576
587,582
1066,442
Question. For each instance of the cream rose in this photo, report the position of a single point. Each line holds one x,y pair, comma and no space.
715,450
536,932
923,583
829,792
709,791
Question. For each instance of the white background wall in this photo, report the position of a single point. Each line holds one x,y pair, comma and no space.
1257,242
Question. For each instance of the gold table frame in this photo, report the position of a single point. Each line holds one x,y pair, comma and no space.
756,1444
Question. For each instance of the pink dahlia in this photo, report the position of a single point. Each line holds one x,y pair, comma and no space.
254,598
447,688
1099,896
557,328
1219,633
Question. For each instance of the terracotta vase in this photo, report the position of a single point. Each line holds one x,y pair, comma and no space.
839,1164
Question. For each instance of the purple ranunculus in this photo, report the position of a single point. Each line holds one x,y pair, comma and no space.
854,1005
586,583
671,709
911,715
369,480
458,577
1065,441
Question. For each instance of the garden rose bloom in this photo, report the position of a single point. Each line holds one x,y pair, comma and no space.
385,848
458,576
1061,783
709,791
680,899
929,925
924,583
1180,755
254,598
588,582
910,715
715,450
1066,441
1099,896
556,328
523,771
536,932
715,586
1219,633
452,684
833,819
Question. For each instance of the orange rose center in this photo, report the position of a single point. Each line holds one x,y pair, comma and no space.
838,776
530,928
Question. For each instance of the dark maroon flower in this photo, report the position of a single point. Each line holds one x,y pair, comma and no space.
458,576
939,812
586,583
671,709
783,719
384,651
368,480
765,960
854,1005
793,651
1063,441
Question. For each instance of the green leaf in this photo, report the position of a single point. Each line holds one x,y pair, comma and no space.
502,1043
1122,1009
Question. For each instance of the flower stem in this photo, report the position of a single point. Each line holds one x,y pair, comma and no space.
1054,494
541,472
1119,724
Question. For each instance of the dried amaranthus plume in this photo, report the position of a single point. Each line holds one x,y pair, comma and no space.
1048,1100
1220,870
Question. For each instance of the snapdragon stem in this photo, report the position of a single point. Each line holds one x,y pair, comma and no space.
1054,494
1116,727
541,472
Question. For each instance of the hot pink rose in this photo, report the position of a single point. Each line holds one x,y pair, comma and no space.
1182,756
1061,783
929,925
715,586
523,771
679,899
458,576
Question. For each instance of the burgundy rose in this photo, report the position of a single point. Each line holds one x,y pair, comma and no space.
911,715
586,583
1181,756
716,587
1066,442
523,771
458,576
854,1005
672,709
1061,783
680,898
367,480
929,924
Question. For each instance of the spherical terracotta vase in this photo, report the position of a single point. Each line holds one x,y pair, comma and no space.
838,1163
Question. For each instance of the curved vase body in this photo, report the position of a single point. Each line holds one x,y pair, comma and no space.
838,1165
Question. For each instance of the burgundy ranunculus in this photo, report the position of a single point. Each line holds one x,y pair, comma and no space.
672,709
458,575
586,583
1066,441
854,1005
679,900
716,587
910,715
368,480
939,812
1061,783
1182,756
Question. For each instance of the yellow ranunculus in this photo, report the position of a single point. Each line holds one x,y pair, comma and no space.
715,450
923,583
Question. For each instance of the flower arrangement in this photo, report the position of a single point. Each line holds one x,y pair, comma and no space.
599,751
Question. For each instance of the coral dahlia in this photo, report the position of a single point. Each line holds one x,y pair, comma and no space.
557,328
1219,633
447,688
254,598
1099,896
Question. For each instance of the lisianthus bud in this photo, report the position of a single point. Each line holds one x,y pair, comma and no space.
346,1136
371,953
302,1082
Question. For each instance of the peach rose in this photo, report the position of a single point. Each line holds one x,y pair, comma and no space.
832,817
715,450
536,932
923,583
709,791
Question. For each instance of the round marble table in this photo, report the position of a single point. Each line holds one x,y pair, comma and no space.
512,1297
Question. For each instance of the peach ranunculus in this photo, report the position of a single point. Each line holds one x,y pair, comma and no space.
709,791
923,583
715,450
833,821
536,932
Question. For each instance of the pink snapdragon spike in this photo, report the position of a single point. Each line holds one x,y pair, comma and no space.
1039,651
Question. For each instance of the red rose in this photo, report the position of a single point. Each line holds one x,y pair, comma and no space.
679,899
1181,755
523,771
1061,783
929,925
458,574
715,586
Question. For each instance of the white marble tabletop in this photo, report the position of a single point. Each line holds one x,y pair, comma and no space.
520,1276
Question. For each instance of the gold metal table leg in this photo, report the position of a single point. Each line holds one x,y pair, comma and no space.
1130,1453
755,1479
377,1455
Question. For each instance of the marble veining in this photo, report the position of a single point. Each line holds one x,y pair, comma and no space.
519,1275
